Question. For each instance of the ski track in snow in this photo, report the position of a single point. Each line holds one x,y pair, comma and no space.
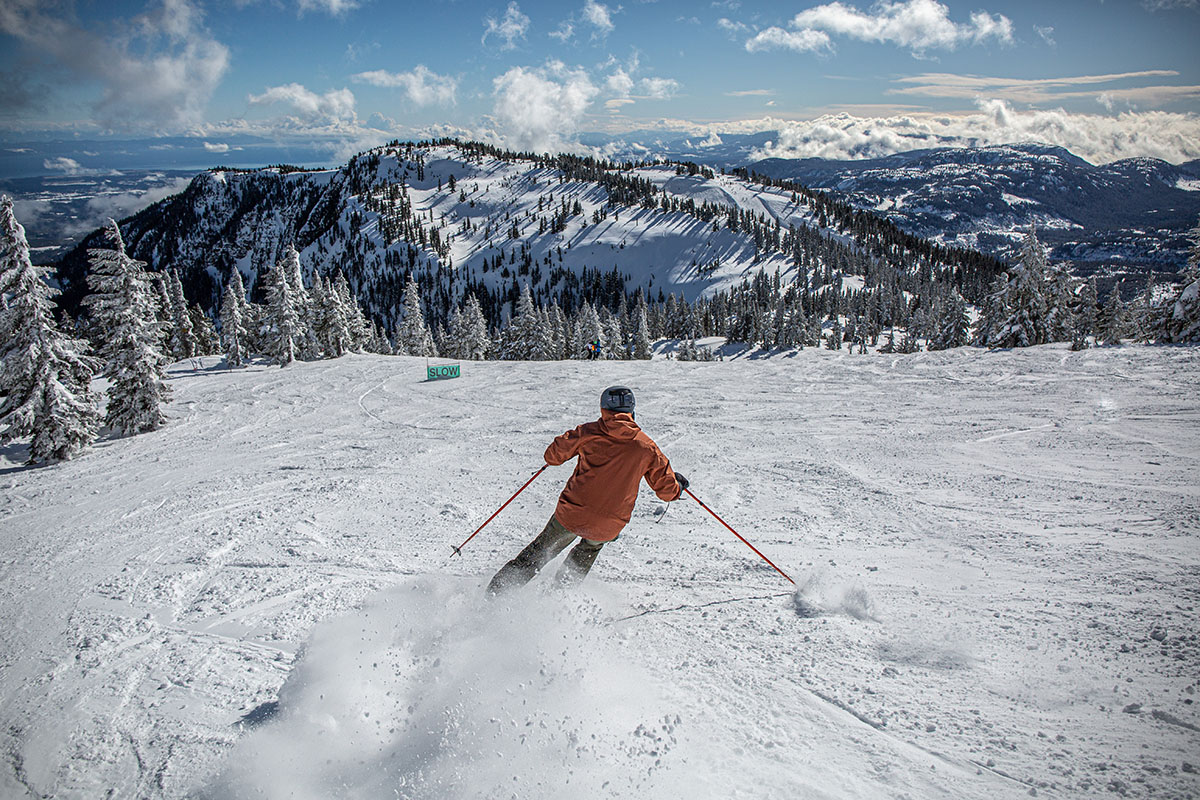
995,555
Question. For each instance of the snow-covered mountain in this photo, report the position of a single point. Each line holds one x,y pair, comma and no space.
996,555
1131,213
470,218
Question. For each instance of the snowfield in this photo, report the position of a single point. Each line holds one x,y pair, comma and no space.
996,556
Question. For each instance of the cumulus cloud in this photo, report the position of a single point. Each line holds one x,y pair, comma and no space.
1095,137
160,72
598,15
216,147
805,41
918,25
332,107
538,109
511,27
421,85
658,88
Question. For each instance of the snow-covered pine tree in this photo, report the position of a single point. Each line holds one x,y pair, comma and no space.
333,319
468,331
122,304
181,340
204,332
1016,315
412,335
307,347
233,325
588,330
45,375
614,336
641,335
953,324
1112,325
1085,315
281,321
1183,321
356,322
522,334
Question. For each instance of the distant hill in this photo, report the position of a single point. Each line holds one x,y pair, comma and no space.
1126,216
469,218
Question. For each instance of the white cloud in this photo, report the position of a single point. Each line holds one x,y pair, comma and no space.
564,32
421,85
1047,34
216,147
598,15
334,7
1099,138
619,83
510,27
805,41
658,88
332,107
732,27
1047,90
539,109
159,74
918,25
68,166
1162,5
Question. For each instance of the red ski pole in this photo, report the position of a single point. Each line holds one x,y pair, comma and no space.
458,550
735,533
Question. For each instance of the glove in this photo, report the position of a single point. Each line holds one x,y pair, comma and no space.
683,482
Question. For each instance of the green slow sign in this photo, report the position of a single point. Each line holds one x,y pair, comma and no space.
442,372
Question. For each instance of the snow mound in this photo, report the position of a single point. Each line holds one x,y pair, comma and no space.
818,595
433,691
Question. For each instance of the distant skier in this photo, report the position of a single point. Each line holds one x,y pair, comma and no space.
593,350
597,502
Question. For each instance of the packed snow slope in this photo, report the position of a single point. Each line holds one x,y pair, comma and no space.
996,556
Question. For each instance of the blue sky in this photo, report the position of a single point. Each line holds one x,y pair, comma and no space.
1105,79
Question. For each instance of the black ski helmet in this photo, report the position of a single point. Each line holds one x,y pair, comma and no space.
618,399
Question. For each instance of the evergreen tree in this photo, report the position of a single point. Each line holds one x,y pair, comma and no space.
45,375
953,326
307,346
467,337
1183,321
233,326
281,321
181,340
523,332
412,336
641,334
1085,316
204,332
588,330
1112,323
122,303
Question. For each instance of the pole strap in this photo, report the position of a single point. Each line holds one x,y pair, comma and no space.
458,550
735,533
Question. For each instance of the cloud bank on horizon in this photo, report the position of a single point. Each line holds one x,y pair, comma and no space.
836,79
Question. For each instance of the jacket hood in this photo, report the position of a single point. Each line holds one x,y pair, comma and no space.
619,426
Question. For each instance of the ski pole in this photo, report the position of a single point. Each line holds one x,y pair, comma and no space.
458,550
735,533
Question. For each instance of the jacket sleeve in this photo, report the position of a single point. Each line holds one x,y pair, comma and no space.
564,447
661,477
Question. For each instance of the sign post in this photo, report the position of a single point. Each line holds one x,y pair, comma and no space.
442,372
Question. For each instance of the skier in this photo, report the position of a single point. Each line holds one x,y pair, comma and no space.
597,502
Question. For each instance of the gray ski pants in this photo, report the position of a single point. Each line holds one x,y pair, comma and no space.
553,539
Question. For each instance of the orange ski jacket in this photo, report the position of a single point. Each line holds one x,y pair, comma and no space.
614,456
